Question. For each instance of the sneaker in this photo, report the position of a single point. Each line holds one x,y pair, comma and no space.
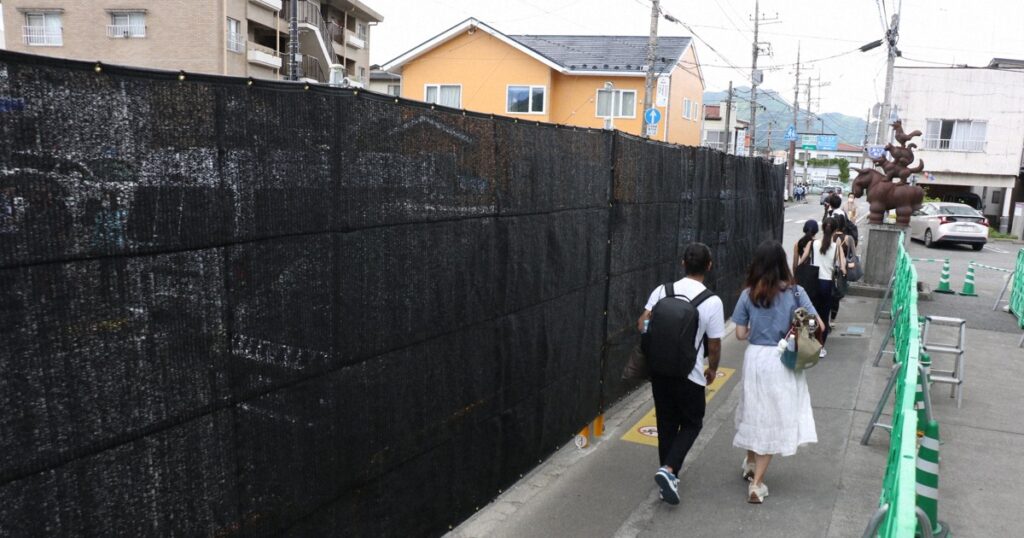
821,355
756,494
668,485
748,469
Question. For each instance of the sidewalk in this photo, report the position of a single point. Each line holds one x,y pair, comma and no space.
827,489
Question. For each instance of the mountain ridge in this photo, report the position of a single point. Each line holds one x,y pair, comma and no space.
777,115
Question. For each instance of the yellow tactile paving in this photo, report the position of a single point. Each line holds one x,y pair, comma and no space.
645,431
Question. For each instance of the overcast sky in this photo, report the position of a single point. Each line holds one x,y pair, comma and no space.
946,31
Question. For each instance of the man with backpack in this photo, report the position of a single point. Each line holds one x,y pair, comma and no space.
683,325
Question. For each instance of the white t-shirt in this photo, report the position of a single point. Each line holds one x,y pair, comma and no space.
825,262
712,320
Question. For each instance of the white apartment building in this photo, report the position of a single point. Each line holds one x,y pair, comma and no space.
973,125
714,132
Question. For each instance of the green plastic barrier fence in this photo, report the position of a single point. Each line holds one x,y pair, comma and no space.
1017,292
898,486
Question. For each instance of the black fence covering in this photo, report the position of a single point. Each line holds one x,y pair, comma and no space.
232,308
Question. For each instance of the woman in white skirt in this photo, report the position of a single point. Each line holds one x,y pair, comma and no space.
774,414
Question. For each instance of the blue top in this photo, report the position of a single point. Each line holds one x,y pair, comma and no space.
769,325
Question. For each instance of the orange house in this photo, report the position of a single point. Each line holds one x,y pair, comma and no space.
587,81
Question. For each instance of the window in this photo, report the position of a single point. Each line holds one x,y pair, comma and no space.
687,108
236,41
43,29
395,90
525,99
361,30
444,94
955,135
127,24
616,103
362,75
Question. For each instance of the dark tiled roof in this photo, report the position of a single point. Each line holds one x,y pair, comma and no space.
604,53
383,75
1006,63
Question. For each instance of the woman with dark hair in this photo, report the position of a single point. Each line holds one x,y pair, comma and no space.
827,255
774,414
848,248
810,230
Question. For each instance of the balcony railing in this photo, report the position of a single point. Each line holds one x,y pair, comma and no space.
42,36
274,5
265,56
949,144
309,67
126,31
355,42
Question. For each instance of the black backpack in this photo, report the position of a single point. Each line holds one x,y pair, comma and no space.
669,341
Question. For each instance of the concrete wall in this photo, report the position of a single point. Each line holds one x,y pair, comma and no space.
189,35
180,34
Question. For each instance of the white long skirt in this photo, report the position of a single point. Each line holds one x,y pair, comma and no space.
774,415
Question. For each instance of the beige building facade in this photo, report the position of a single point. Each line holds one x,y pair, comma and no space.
226,37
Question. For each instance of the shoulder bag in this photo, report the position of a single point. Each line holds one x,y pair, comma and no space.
807,274
806,347
840,285
854,271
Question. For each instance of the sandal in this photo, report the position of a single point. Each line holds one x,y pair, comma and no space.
748,469
756,494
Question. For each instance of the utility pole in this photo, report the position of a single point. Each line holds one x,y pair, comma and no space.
867,125
755,75
293,40
791,158
891,37
807,117
728,118
652,46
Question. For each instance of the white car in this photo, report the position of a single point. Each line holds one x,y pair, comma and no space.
950,223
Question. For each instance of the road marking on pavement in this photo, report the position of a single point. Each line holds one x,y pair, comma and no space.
800,221
996,250
789,220
645,432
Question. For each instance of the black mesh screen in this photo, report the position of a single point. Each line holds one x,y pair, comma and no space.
257,309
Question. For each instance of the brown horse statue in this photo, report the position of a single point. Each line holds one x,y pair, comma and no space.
884,195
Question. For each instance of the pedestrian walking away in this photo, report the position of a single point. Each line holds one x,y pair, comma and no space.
774,415
684,325
810,230
833,205
827,255
848,246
